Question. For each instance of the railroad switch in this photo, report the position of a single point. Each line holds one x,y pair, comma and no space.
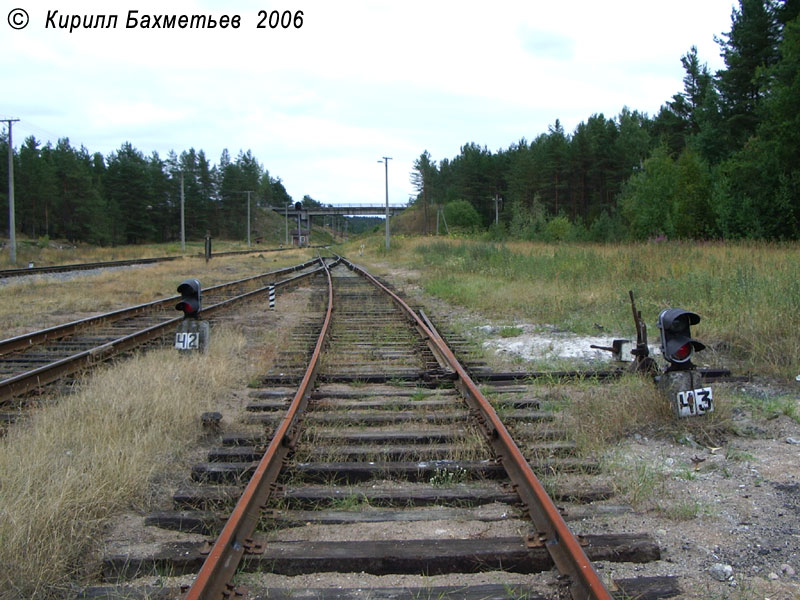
618,349
642,362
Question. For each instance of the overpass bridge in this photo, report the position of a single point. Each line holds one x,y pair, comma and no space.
355,209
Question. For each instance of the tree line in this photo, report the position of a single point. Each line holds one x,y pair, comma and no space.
720,159
127,197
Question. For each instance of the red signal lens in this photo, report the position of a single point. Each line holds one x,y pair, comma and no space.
187,307
683,352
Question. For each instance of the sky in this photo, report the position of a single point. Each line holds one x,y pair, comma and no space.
321,104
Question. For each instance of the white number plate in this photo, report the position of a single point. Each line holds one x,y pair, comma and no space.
187,341
695,402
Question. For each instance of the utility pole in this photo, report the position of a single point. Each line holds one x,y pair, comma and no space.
12,226
183,220
286,216
248,192
385,161
248,218
496,210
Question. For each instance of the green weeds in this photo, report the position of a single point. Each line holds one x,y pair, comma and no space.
773,407
640,482
737,455
420,395
685,509
508,332
747,293
354,502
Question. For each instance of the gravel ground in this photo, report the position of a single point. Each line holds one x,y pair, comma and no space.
732,517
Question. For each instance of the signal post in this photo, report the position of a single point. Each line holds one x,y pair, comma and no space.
193,333
681,383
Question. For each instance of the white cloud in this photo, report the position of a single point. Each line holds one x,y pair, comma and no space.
361,79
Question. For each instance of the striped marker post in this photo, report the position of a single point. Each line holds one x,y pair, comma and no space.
272,297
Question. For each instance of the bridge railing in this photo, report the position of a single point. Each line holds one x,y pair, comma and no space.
353,209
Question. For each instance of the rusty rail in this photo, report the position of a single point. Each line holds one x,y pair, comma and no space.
214,582
215,577
553,533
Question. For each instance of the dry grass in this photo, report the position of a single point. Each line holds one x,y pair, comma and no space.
31,303
72,465
45,253
600,414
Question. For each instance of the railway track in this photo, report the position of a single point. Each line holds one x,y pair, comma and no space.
7,273
369,456
33,360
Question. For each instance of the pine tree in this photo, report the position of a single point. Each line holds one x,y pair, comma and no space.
749,48
128,185
423,179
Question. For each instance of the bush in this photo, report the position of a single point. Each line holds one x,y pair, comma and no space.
460,214
496,232
605,228
558,229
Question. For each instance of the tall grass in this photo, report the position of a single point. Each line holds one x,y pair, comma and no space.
747,294
72,465
597,415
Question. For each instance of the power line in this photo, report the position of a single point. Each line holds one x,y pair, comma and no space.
32,128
